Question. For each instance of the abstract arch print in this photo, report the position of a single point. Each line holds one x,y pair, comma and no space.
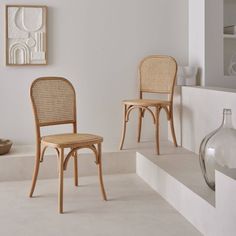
26,35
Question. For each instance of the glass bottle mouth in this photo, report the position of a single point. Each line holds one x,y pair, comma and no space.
227,118
227,111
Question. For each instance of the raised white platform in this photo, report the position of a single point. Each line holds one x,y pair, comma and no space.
176,176
19,163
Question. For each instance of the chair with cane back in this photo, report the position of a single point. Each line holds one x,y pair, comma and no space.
54,103
157,75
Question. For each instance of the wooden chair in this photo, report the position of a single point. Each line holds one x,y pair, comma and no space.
157,75
54,103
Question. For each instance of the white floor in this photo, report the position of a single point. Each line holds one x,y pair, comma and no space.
133,209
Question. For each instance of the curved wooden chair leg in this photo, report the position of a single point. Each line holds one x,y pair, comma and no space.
36,171
76,177
157,131
99,158
140,124
61,175
173,129
124,128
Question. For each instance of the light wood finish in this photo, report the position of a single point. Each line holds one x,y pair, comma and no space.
124,127
140,114
53,106
157,75
146,102
61,176
36,167
99,162
75,155
158,109
54,103
70,140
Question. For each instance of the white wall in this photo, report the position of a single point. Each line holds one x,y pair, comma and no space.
214,59
206,43
197,37
97,45
202,112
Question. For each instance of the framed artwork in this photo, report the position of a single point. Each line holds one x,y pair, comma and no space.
26,35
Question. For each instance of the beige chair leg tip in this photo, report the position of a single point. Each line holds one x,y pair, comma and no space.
76,182
105,196
60,210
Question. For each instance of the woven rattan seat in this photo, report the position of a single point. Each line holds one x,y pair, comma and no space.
146,102
69,140
157,74
54,103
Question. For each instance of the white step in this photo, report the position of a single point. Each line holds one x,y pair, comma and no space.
176,176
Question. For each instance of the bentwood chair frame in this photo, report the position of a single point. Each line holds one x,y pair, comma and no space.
45,92
157,74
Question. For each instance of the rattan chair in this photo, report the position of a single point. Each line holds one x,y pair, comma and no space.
157,75
54,103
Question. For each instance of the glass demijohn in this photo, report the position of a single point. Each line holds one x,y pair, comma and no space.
218,150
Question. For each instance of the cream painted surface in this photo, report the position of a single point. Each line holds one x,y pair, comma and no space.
177,101
225,204
19,164
188,203
229,43
202,112
206,42
171,183
196,29
214,57
97,45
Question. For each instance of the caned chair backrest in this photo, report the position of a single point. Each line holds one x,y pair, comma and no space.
53,100
157,74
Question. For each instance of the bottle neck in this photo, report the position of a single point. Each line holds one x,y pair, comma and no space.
227,118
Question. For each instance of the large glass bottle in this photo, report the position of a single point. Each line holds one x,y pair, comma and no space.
218,150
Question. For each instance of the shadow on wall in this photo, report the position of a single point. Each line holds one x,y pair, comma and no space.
199,77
